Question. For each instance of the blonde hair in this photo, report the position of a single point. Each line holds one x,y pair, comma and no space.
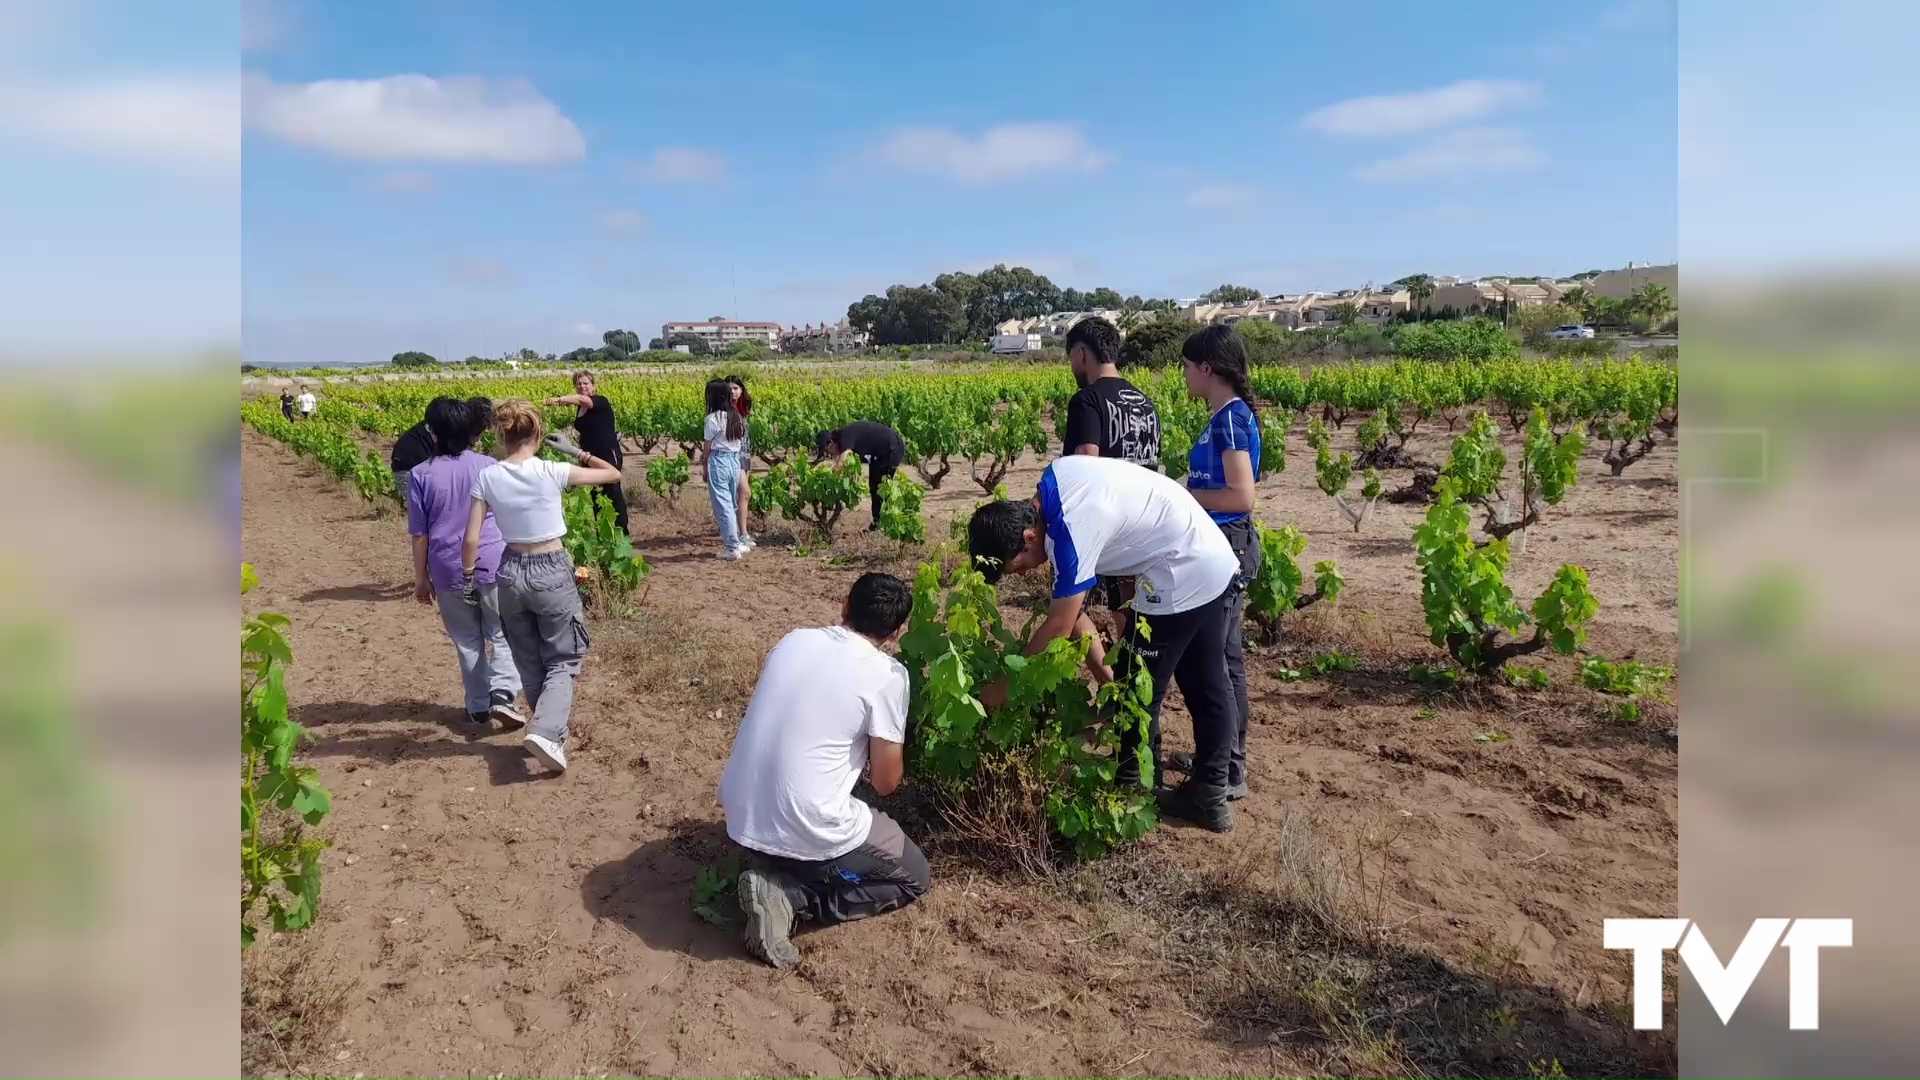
518,421
583,373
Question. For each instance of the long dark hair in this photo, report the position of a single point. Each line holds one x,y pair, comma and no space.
745,404
720,399
1225,353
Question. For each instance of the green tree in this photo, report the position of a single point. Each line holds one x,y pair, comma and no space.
1346,313
412,359
624,342
1231,294
1104,299
1419,288
696,345
1074,300
920,315
1580,298
1652,300
1156,343
865,313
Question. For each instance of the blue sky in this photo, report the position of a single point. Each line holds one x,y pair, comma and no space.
470,176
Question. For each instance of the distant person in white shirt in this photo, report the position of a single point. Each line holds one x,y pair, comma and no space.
308,403
1095,517
830,703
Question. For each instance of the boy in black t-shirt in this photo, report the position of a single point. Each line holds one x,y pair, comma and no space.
1109,416
876,444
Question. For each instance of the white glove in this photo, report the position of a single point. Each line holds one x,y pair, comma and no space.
559,442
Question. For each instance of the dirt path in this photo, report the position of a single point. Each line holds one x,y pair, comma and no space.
490,921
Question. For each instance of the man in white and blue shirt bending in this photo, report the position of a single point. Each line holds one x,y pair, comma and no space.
1093,517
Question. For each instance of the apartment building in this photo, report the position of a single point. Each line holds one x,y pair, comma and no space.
720,333
1620,284
834,339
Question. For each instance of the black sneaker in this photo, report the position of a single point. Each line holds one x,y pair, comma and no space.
503,711
770,919
1203,806
1182,762
480,720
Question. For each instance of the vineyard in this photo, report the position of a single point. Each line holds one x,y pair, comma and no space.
1461,645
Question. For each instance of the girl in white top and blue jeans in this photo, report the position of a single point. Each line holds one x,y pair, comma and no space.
539,602
726,441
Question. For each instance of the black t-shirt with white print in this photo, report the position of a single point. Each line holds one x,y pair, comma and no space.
1112,414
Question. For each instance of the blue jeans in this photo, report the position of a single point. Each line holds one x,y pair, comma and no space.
723,478
480,641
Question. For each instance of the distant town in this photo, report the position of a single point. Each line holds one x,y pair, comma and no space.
1435,296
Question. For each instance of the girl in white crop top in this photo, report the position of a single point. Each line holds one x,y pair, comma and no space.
524,491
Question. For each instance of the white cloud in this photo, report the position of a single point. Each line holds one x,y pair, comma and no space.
411,181
582,329
1221,196
461,119
1422,110
623,219
1007,152
1454,155
681,165
190,121
471,271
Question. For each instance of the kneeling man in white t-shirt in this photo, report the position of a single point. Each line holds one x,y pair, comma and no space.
829,704
1105,517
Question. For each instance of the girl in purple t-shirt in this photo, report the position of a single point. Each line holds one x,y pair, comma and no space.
437,504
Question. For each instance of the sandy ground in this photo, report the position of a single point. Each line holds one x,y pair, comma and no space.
481,919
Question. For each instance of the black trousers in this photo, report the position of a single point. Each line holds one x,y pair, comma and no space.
1246,544
1188,649
878,469
885,873
617,495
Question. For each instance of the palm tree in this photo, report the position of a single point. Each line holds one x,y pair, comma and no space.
1580,298
1652,300
1419,288
1347,313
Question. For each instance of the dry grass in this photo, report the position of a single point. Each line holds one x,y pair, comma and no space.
1296,950
685,658
291,1001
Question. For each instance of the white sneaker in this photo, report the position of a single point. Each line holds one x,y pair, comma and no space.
749,543
550,753
732,554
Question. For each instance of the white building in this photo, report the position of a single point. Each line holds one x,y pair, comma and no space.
721,334
835,339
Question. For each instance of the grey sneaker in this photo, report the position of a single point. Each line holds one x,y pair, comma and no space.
502,710
769,919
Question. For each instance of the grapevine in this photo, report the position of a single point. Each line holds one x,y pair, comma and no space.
282,871
601,551
667,475
1468,604
900,515
1278,587
1042,765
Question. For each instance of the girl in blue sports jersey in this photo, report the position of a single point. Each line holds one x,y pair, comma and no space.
1221,471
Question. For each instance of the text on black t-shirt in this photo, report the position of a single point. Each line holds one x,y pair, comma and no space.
1112,414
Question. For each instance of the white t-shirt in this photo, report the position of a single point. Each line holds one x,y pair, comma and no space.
307,404
525,498
717,434
788,788
1110,517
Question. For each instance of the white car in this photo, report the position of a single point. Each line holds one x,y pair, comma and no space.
1570,332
